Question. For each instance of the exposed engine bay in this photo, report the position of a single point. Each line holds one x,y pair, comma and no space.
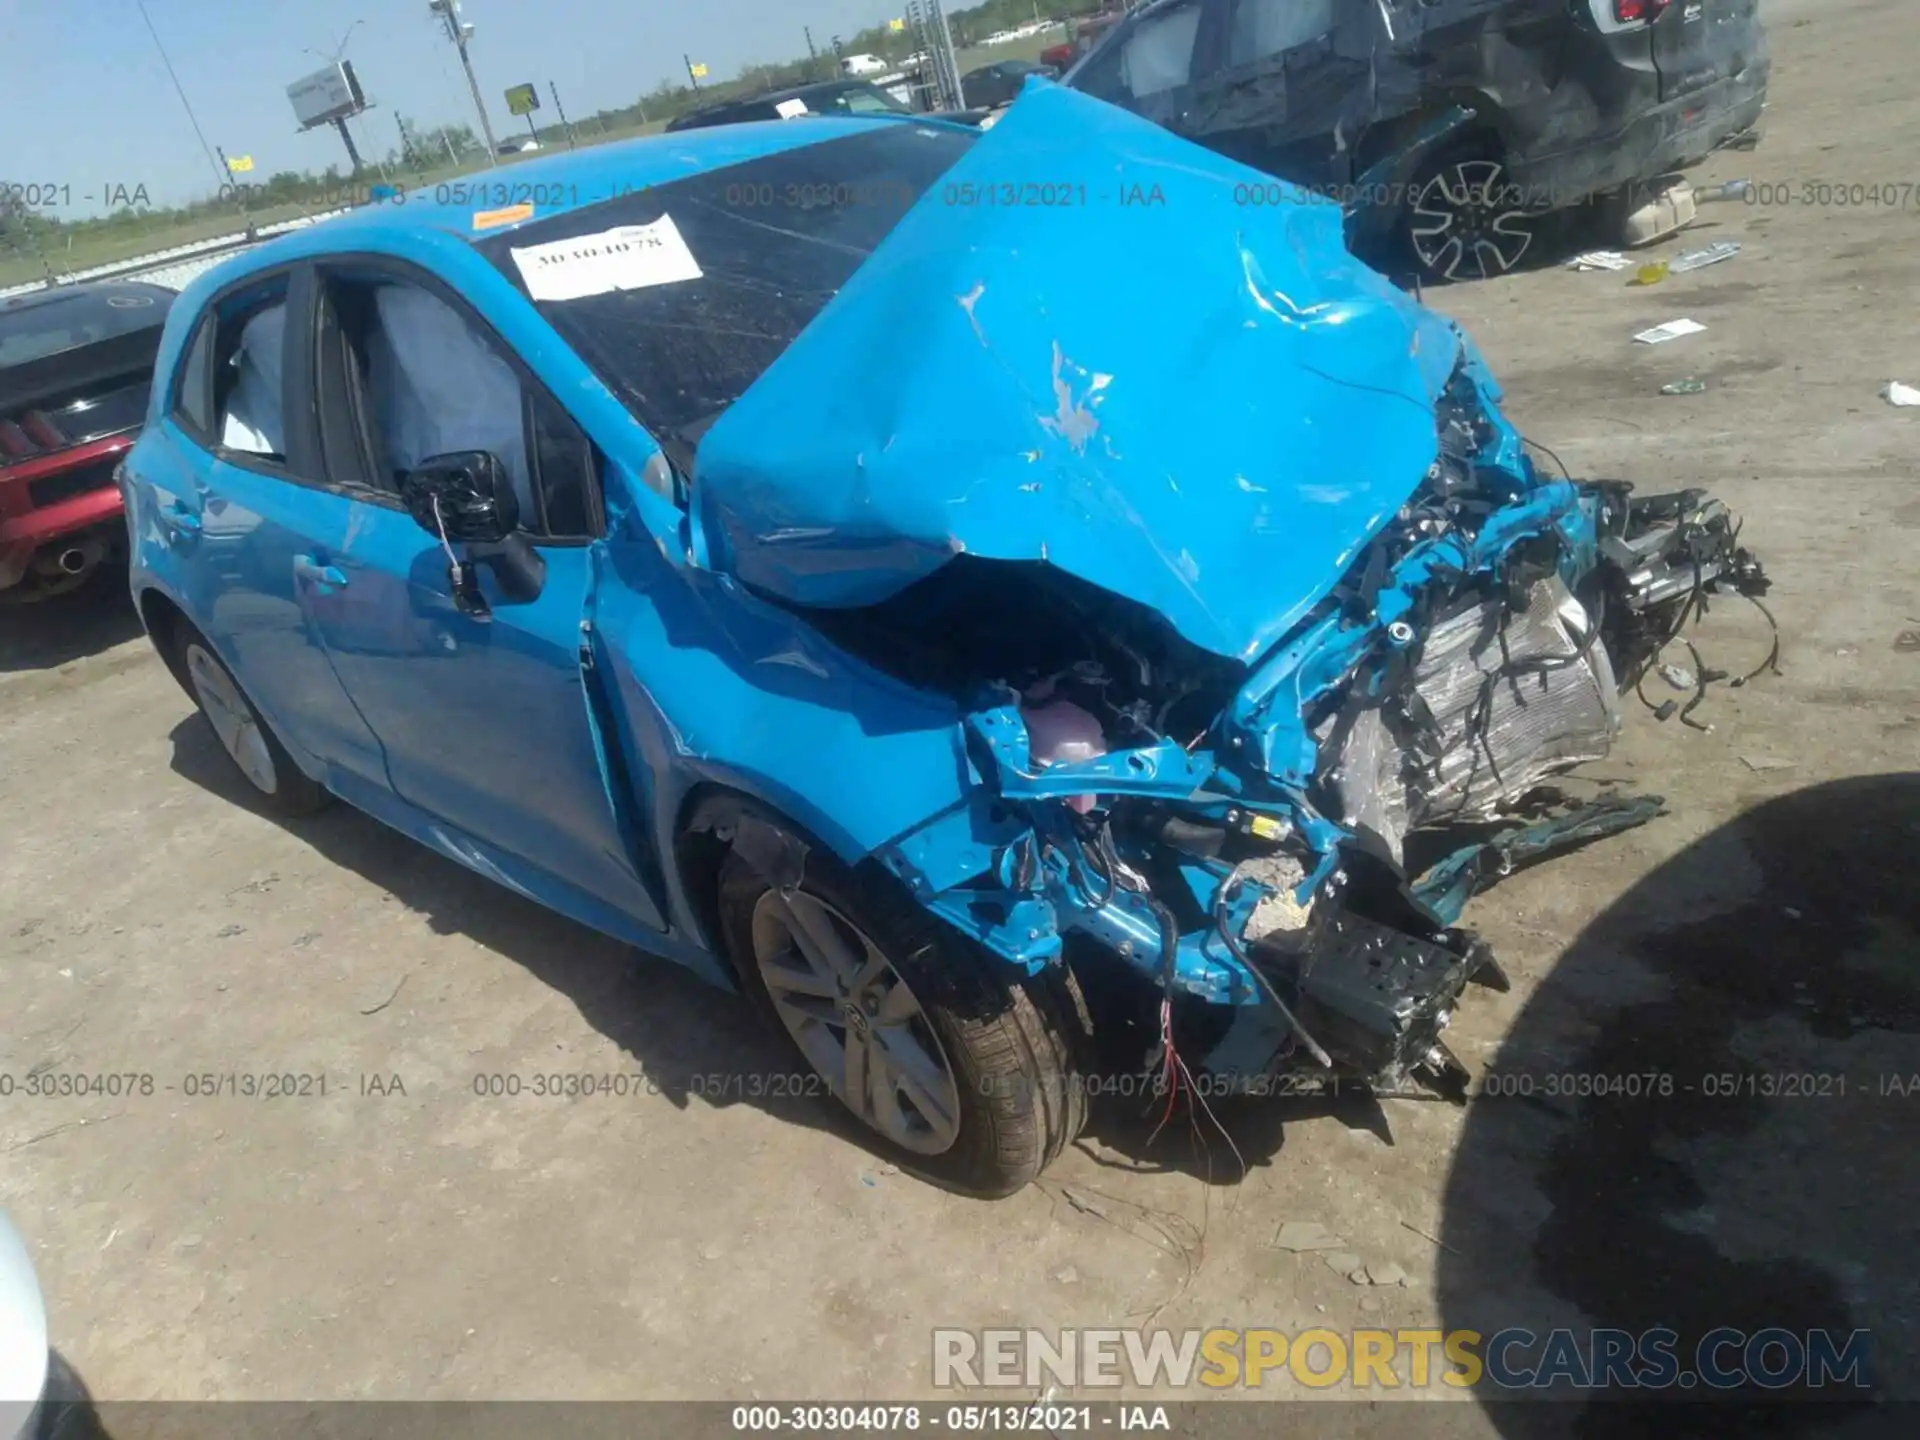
1243,836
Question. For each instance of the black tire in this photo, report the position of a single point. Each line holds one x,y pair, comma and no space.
1015,1046
1464,217
66,1407
277,785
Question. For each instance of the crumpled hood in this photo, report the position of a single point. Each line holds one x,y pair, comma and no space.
1096,345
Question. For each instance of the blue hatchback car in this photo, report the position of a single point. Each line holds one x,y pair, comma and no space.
985,595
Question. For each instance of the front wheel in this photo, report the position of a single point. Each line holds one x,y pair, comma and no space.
966,1071
1467,220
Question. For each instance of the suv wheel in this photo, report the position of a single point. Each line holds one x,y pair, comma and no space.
1466,219
967,1071
254,749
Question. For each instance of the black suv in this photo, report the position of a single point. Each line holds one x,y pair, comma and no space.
1543,104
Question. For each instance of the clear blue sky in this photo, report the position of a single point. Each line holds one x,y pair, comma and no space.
87,103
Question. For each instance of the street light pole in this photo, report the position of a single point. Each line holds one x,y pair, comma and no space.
449,11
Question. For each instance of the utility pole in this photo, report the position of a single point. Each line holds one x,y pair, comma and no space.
353,154
459,34
693,72
180,90
560,110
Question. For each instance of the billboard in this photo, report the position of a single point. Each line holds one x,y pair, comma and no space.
328,94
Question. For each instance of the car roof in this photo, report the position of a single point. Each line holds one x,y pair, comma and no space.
556,182
559,181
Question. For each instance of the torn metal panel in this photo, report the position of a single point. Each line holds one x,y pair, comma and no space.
1446,887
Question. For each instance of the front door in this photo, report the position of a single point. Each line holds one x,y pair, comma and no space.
488,721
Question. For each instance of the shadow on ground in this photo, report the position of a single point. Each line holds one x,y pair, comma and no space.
696,1043
54,632
1761,993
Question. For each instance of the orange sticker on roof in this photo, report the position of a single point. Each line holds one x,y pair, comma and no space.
487,219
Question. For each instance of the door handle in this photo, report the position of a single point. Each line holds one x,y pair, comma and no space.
179,518
324,578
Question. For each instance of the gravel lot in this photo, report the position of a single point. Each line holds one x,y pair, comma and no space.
402,1237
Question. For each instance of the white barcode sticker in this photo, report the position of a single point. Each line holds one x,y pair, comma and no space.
627,257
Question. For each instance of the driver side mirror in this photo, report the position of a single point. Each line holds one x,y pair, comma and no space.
466,496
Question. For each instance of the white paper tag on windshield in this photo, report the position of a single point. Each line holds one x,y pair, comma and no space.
627,257
787,109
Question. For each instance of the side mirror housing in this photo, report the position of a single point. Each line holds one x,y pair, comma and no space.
467,496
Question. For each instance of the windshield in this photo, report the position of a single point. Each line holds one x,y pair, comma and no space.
767,244
36,327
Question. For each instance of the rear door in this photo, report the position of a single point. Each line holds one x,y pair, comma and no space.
1156,61
488,722
1294,89
1696,42
239,514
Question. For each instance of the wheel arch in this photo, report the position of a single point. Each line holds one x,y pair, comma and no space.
162,616
1488,126
714,819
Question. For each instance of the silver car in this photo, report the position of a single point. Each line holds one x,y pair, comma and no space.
23,1339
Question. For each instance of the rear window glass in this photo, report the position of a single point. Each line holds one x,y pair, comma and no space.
773,240
35,327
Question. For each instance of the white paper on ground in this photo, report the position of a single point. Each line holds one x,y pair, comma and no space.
787,109
627,257
1599,260
1714,254
1672,330
1902,395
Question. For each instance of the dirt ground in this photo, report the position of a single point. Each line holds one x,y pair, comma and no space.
404,1237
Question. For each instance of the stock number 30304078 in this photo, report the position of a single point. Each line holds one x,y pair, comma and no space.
965,1419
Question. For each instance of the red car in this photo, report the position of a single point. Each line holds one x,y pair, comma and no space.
1060,56
76,362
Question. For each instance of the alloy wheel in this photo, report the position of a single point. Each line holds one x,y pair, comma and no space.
856,1020
232,719
1468,222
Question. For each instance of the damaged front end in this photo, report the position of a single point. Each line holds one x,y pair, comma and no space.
1241,585
1241,837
